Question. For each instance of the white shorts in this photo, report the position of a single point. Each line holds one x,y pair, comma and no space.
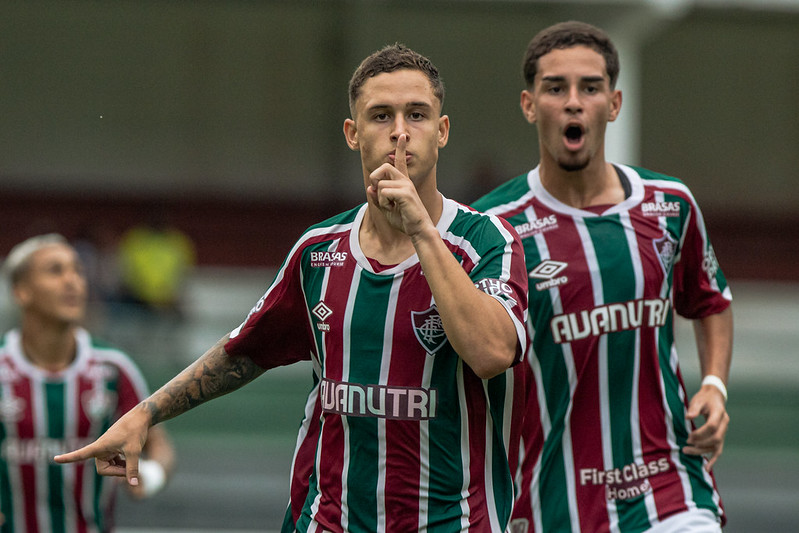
694,521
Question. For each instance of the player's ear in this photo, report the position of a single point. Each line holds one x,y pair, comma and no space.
351,134
22,294
615,105
443,131
528,106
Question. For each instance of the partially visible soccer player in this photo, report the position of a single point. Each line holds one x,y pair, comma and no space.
60,389
411,308
612,251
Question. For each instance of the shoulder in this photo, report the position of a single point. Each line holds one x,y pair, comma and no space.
333,228
650,178
506,194
99,351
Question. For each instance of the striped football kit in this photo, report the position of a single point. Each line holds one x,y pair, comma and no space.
43,414
605,420
399,434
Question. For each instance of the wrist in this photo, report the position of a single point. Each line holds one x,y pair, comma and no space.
717,382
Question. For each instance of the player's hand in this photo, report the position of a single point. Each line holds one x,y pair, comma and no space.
708,439
117,451
394,193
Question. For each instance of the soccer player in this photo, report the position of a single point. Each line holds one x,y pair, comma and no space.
60,389
612,251
411,308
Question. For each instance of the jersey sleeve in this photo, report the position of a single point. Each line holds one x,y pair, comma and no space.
501,273
276,331
700,288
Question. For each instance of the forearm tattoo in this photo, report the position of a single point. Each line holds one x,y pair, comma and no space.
212,375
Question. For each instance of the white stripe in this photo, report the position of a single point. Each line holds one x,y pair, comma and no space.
40,430
546,423
69,472
424,450
685,479
316,362
15,480
635,415
465,449
491,502
346,344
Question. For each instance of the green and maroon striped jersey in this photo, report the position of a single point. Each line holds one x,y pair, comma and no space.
605,422
43,414
400,435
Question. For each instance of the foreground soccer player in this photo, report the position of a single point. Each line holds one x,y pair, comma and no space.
411,308
612,251
60,389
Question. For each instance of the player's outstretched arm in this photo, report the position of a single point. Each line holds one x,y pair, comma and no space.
117,451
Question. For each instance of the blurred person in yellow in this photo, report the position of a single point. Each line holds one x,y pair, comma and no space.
60,387
155,260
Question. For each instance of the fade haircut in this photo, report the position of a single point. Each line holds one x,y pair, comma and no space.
568,35
18,260
389,59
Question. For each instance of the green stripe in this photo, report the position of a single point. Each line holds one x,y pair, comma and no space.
366,355
54,407
617,274
555,378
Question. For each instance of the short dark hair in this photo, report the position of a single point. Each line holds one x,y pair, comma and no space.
388,59
567,35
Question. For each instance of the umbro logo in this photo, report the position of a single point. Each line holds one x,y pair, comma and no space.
548,271
322,312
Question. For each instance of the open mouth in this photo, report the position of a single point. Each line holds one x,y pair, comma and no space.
574,133
574,136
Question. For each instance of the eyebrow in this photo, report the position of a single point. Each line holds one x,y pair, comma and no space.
590,79
378,107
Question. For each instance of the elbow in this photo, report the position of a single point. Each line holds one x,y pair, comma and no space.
489,365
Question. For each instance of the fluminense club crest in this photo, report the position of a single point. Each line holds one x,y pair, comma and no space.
666,250
429,330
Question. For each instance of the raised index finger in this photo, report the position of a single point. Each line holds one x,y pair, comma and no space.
399,155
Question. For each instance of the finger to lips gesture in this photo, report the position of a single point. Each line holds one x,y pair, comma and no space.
395,194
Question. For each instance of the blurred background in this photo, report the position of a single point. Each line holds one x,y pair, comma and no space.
208,133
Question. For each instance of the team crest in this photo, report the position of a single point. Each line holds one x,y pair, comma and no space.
11,409
666,249
99,403
429,330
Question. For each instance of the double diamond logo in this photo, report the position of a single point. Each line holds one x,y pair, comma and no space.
547,269
321,311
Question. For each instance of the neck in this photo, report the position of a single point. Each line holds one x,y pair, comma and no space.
52,348
596,184
385,243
